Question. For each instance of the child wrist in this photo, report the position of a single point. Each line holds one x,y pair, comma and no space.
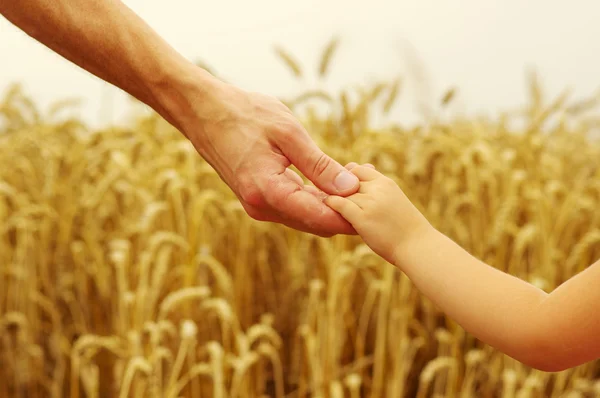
415,240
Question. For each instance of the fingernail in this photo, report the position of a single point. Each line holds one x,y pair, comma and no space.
345,180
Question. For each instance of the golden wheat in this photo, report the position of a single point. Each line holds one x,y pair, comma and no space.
128,268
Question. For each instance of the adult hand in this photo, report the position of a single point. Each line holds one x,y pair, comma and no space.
251,139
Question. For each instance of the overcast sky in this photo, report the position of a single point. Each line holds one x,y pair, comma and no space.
483,47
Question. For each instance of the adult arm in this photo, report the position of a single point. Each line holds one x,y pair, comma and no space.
250,139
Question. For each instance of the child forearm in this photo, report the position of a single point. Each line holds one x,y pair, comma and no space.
495,307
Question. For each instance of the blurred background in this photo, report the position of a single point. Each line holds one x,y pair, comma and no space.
132,243
482,47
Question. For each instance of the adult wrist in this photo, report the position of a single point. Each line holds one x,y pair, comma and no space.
184,96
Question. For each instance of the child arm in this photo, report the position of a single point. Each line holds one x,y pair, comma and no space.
550,332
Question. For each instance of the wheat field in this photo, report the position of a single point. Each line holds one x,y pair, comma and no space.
128,268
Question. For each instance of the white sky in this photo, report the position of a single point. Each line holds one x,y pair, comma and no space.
481,46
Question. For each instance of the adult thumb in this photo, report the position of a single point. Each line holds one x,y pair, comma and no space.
327,174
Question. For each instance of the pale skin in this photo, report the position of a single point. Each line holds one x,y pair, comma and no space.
547,331
250,139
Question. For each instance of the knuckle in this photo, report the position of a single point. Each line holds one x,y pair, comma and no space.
280,105
369,206
321,164
391,184
386,182
290,131
286,127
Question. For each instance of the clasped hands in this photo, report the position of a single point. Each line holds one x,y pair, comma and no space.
251,139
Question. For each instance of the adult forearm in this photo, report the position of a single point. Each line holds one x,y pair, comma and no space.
109,40
493,306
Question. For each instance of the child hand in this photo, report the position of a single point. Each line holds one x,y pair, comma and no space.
380,212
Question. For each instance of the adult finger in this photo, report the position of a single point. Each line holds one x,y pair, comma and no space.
315,192
327,174
302,209
292,175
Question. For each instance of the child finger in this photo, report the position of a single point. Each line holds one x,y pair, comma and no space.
352,165
359,198
346,207
365,173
